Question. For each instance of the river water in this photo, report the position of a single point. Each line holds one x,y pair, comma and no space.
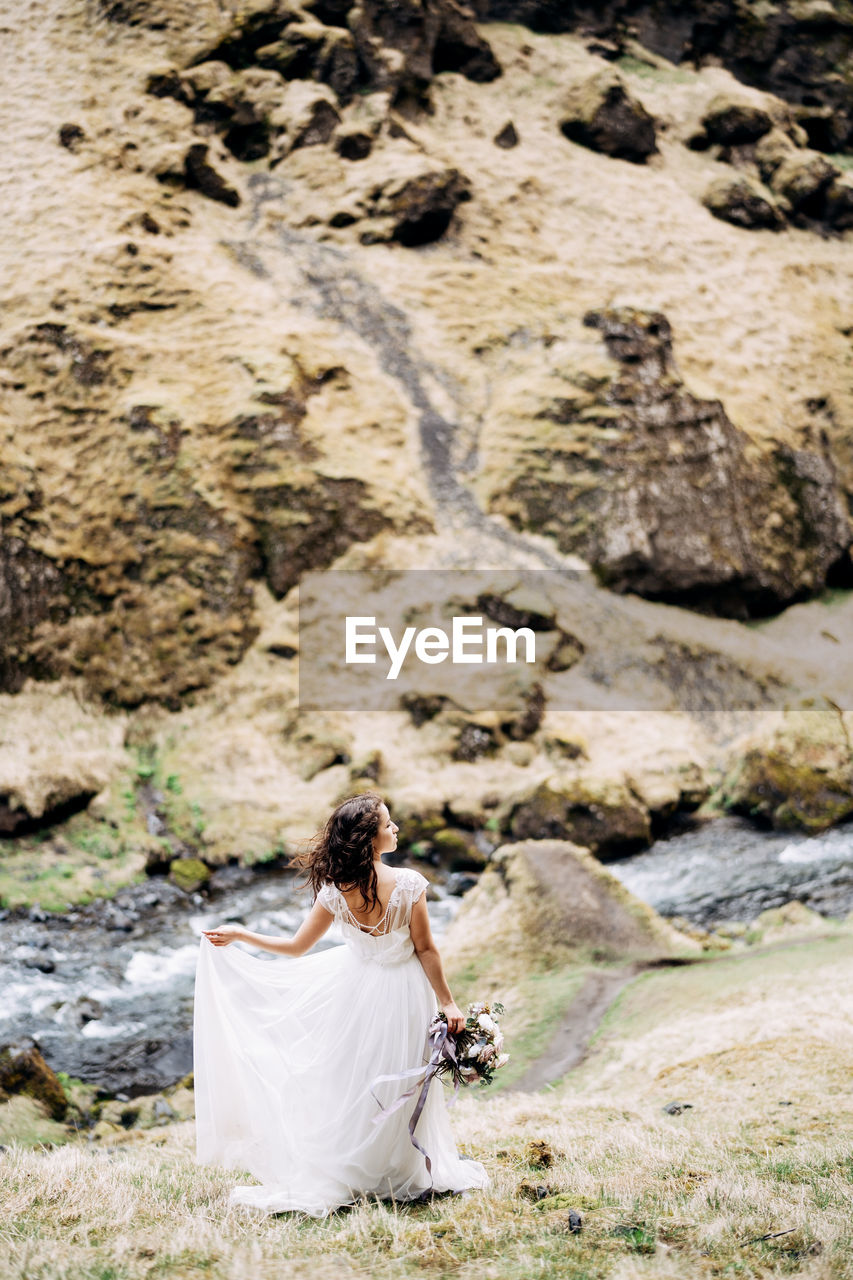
106,990
727,870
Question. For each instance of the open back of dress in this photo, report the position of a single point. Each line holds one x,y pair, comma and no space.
286,1050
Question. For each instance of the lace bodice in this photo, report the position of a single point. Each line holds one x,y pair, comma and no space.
389,940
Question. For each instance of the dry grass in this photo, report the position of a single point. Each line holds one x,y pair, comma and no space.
658,1195
765,1148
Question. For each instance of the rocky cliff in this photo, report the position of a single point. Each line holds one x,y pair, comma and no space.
370,284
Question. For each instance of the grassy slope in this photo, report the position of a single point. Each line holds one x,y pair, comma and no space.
660,1195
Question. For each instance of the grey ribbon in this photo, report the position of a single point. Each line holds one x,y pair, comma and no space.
442,1059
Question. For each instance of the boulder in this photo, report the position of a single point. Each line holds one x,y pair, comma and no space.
797,776
56,755
726,531
353,143
313,51
403,43
243,97
669,791
234,106
838,207
459,46
71,136
778,924
507,137
200,175
42,800
601,814
416,208
774,148
24,1070
457,850
743,202
801,182
733,121
600,113
188,874
393,45
148,1111
547,903
306,117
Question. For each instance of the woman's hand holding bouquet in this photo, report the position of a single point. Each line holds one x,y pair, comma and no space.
478,1044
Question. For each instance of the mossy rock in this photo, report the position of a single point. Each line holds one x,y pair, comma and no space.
188,874
549,903
793,915
802,181
799,777
458,850
416,827
733,121
24,1070
742,537
601,815
182,1102
774,148
311,49
560,1200
744,203
367,770
23,1121
104,1129
839,204
602,115
149,1111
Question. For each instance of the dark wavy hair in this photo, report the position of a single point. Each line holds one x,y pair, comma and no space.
343,851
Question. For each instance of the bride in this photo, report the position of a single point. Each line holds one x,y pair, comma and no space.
287,1055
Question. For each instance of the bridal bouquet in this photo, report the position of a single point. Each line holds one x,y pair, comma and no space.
474,1053
478,1047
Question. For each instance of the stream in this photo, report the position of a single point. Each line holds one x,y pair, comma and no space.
727,870
106,990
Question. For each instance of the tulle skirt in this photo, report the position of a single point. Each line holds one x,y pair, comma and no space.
285,1053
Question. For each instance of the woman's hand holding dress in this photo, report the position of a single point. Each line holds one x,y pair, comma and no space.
222,934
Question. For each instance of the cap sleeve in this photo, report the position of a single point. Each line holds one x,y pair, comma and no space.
326,897
418,884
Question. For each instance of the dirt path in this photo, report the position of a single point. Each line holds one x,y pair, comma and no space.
571,1040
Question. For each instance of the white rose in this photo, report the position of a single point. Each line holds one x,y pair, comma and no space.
487,1024
501,1059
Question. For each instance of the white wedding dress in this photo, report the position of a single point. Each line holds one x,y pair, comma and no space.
286,1050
